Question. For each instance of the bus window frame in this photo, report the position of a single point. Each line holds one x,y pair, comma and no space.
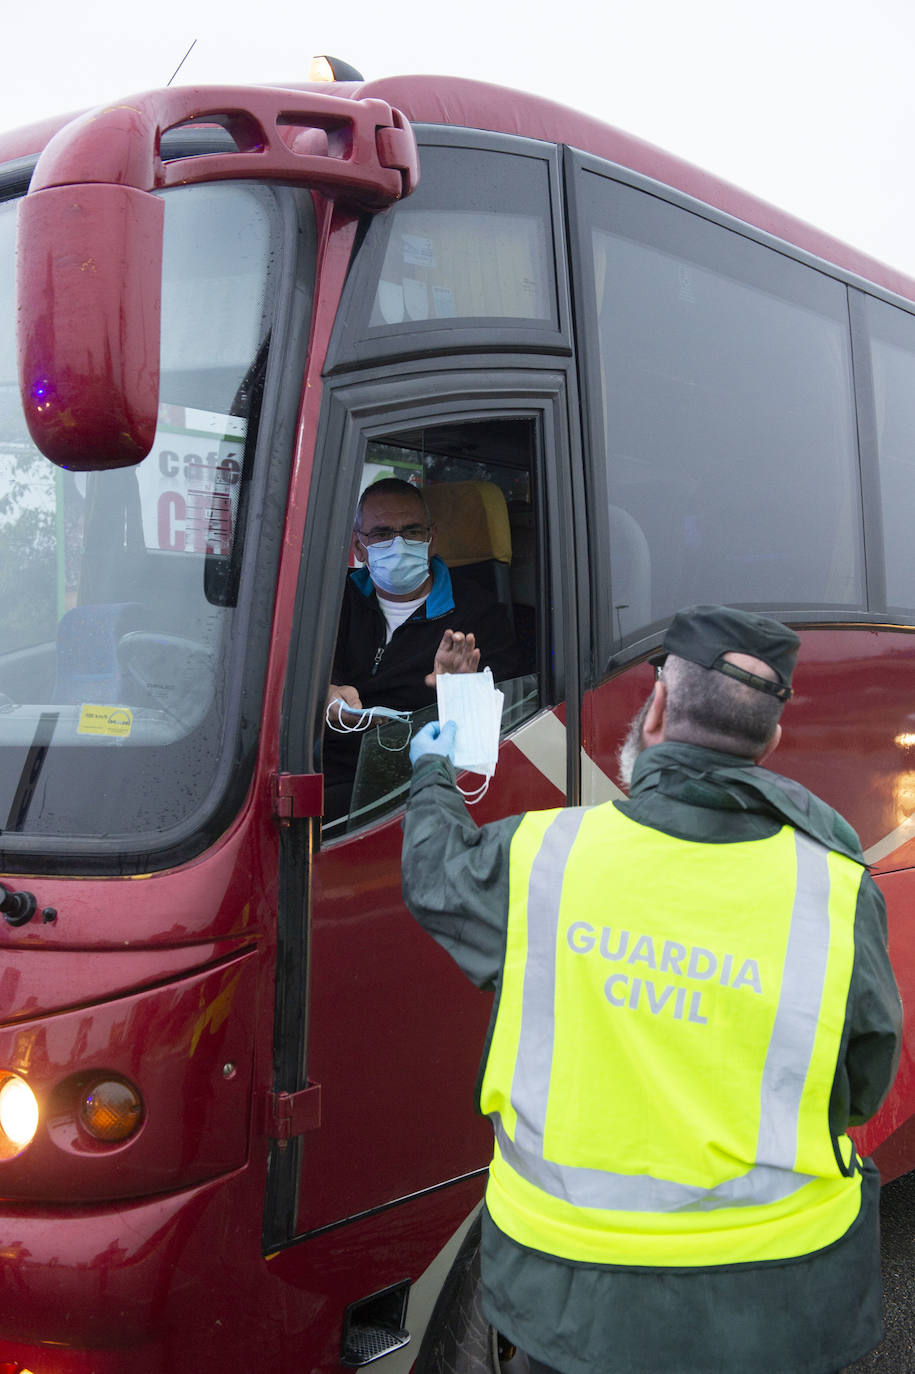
869,448
353,343
371,408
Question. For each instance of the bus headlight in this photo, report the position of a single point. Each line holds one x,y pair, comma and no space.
18,1115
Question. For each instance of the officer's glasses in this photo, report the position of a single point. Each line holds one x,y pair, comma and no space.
383,536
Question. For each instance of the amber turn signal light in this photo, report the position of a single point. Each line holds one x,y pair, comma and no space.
111,1110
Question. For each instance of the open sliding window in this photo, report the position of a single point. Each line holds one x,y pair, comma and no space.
477,478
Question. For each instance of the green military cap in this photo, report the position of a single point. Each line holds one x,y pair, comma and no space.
704,634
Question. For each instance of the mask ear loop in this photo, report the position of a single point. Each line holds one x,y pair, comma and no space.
474,794
368,716
341,727
396,748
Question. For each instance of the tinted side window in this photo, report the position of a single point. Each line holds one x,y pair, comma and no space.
893,361
723,405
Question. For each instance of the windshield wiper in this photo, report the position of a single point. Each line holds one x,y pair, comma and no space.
31,770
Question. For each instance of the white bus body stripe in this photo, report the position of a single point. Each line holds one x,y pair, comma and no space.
894,840
543,743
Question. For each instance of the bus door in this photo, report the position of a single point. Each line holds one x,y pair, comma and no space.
394,1031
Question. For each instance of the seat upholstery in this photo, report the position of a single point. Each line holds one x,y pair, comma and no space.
87,660
473,533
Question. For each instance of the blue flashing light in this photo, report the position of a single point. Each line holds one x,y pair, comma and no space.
43,391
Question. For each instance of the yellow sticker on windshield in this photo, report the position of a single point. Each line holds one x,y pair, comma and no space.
116,721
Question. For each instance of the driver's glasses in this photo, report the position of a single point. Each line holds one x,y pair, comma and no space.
386,534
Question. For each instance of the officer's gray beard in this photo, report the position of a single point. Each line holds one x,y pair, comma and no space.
632,746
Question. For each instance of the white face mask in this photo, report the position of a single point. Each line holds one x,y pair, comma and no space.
400,567
471,701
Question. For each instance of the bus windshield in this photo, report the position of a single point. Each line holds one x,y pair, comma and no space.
121,591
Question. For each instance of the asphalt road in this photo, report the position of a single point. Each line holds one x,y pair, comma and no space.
896,1353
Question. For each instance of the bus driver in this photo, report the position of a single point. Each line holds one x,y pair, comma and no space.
403,621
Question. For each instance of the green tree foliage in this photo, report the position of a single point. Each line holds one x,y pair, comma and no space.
28,553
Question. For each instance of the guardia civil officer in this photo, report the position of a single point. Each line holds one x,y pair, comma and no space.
693,1002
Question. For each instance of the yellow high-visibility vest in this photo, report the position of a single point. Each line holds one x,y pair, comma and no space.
668,1029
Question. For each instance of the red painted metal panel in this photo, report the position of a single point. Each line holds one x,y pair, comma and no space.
167,980
187,1045
178,1283
396,1033
397,1030
890,1135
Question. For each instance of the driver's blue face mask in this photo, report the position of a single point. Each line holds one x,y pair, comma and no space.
399,567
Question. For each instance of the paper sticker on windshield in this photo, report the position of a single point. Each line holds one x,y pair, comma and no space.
418,250
115,721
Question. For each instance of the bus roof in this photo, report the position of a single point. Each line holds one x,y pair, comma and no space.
459,102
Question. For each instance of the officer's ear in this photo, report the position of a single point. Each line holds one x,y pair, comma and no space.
655,722
772,745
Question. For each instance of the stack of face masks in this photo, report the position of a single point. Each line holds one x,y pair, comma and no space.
472,702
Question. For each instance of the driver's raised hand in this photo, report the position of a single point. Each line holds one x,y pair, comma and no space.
457,653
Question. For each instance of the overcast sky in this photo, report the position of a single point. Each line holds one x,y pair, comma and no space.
807,103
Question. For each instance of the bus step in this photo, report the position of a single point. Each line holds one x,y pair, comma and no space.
374,1326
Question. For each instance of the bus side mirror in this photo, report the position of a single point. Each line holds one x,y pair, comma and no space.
89,268
89,251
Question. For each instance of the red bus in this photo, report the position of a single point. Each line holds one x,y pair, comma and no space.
236,1081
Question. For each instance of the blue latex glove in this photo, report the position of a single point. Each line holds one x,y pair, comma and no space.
434,739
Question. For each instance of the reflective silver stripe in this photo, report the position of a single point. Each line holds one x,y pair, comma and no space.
784,1073
795,1027
533,1066
601,1189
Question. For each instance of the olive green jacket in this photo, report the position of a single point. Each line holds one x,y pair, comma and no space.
810,1315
